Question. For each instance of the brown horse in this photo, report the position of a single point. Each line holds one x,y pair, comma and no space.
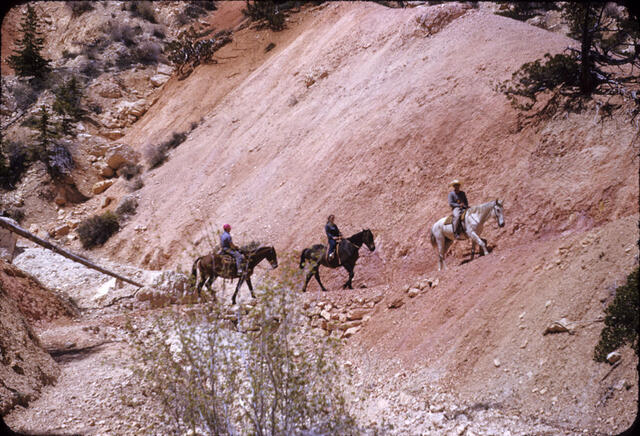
215,265
346,256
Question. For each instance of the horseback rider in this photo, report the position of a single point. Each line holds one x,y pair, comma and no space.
332,235
458,202
228,247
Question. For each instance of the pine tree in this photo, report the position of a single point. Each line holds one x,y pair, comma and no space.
27,60
68,104
44,135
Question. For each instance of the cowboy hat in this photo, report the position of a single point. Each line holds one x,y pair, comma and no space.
455,182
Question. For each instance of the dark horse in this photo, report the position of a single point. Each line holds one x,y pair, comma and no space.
215,265
346,256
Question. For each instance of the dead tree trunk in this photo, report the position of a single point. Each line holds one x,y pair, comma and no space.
4,222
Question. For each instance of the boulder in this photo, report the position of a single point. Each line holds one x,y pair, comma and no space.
158,79
396,303
120,154
104,169
325,314
113,134
110,90
613,357
350,332
7,242
413,292
61,230
165,69
356,314
102,186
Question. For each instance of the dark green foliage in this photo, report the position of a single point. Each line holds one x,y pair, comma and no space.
606,62
176,139
121,32
97,229
188,50
532,78
143,9
59,161
14,161
25,94
522,11
27,60
80,7
44,136
266,11
621,321
68,104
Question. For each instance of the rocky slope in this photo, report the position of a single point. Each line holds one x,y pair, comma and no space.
368,112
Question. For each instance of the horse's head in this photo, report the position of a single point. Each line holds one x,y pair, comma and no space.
272,257
367,238
498,211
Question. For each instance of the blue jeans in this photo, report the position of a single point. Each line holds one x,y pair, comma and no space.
236,255
332,245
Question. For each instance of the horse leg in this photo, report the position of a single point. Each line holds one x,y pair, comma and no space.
479,241
473,248
349,269
442,250
233,299
306,280
317,275
250,286
210,286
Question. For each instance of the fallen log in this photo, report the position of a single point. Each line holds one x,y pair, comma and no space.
6,223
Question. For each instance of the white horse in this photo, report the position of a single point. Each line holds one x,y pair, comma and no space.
442,234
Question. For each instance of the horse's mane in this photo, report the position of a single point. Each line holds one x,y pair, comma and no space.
480,206
251,246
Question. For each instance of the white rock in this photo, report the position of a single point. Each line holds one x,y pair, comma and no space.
158,79
613,357
496,362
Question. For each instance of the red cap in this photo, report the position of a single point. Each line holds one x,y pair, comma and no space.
227,227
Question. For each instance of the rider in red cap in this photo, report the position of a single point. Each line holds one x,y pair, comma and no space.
230,248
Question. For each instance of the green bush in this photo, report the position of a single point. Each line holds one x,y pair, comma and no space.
97,229
546,74
266,11
249,371
127,206
621,321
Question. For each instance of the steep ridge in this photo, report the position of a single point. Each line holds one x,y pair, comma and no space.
360,111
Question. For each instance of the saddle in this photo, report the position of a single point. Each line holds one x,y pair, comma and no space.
449,219
337,253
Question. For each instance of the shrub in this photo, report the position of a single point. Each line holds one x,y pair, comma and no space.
135,184
97,229
621,320
127,206
14,161
24,94
159,33
27,60
144,10
249,371
129,170
80,7
266,11
526,83
15,213
121,32
147,53
155,155
176,139
59,161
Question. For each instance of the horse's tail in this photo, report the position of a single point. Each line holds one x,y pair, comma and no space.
194,268
433,238
303,257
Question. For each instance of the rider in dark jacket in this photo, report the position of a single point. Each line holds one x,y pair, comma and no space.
332,234
458,202
229,247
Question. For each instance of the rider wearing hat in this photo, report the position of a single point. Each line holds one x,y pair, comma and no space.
332,234
230,248
458,202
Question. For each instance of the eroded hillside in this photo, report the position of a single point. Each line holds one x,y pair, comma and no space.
368,112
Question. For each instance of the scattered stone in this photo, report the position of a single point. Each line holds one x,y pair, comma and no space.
113,134
102,186
376,299
158,79
165,69
110,90
356,314
119,155
496,362
613,357
61,231
398,302
560,326
351,331
325,314
107,201
413,292
436,408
